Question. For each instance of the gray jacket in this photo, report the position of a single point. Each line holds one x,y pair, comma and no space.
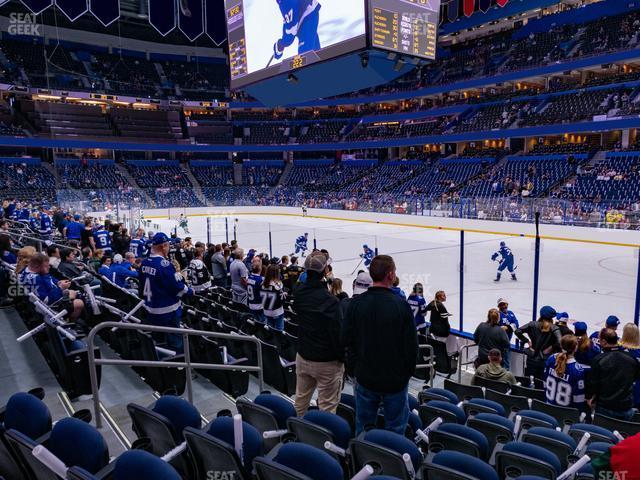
218,266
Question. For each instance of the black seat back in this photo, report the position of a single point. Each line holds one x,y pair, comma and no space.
210,454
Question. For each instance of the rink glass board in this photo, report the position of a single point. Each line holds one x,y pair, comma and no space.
407,27
318,30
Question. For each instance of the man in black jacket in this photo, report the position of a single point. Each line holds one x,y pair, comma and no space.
613,374
319,362
380,335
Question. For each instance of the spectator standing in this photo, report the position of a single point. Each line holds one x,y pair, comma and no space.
219,267
439,322
380,335
272,298
361,284
239,275
587,350
509,323
418,305
254,290
564,378
631,343
612,322
490,336
494,369
336,289
543,338
319,362
612,377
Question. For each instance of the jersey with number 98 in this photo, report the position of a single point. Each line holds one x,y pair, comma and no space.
566,390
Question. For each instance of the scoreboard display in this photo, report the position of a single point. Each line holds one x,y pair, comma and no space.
408,27
270,37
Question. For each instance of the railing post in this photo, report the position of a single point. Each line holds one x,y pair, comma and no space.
270,243
226,228
536,267
187,359
461,280
636,315
93,377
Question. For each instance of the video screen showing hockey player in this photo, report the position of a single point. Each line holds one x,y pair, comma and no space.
277,30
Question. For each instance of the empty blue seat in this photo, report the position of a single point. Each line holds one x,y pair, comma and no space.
338,426
535,418
518,458
397,443
438,408
179,412
141,465
597,433
281,408
295,460
27,415
439,394
460,466
222,428
488,404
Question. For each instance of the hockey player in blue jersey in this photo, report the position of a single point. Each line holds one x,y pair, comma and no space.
367,255
300,20
506,261
162,289
564,378
418,306
301,245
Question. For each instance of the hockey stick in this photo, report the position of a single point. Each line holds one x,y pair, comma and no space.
359,263
270,60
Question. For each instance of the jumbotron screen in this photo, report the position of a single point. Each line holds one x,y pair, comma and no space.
270,37
408,27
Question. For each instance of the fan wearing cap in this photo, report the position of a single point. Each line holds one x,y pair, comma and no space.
612,323
587,350
120,272
162,289
561,322
360,285
509,323
319,362
543,340
73,229
418,306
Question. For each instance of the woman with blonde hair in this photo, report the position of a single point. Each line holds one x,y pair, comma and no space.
336,289
564,378
24,255
631,343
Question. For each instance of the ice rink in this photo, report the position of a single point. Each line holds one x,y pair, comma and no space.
586,279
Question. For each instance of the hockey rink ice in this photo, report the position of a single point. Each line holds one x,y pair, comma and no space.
587,280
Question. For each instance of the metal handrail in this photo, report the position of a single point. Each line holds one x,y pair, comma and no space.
40,242
465,349
187,364
431,361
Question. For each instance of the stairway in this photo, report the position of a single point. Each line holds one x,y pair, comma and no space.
56,175
286,173
237,174
197,188
124,173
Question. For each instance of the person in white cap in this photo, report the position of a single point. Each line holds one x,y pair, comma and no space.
360,285
509,323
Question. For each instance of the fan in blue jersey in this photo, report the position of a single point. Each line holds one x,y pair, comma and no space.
612,322
73,229
24,215
45,227
102,239
34,223
367,255
254,290
509,324
564,378
162,289
138,244
418,305
587,350
301,245
506,262
300,20
105,267
120,272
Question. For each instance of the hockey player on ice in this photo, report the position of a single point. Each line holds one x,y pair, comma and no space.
183,223
304,209
300,20
506,262
367,255
301,245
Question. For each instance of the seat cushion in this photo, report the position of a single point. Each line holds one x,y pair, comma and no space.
141,465
252,446
338,426
554,435
28,415
465,464
450,396
539,416
448,407
179,412
497,419
78,444
309,461
586,427
281,408
468,433
395,442
499,409
535,452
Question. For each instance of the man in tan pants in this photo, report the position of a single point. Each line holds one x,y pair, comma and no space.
319,363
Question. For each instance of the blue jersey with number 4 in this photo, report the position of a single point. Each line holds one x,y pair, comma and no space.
566,390
162,287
